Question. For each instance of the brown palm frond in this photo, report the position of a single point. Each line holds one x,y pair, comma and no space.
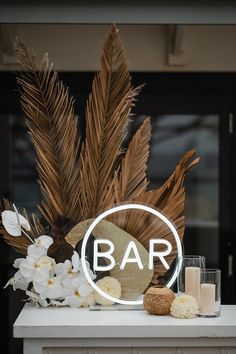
170,199
132,178
20,244
107,113
36,228
53,127
160,196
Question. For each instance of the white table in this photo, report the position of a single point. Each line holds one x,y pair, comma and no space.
80,331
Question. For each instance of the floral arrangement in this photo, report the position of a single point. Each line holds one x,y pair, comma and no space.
47,282
79,179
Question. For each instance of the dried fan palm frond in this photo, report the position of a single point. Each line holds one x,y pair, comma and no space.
170,200
53,127
161,195
107,113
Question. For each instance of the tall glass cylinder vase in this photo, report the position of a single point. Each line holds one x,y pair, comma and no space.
210,293
189,277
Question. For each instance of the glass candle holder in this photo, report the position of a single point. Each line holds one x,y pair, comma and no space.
189,277
210,299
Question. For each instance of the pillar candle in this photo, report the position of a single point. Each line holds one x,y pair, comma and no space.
207,299
192,282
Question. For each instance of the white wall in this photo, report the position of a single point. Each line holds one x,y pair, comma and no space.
78,47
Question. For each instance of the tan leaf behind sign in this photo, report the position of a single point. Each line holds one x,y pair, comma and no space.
133,280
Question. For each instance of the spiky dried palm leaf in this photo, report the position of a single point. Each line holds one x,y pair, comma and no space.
132,179
107,113
53,127
170,199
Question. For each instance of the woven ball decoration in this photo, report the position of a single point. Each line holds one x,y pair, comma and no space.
157,301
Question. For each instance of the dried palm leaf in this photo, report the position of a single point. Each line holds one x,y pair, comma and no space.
170,200
132,178
36,228
20,244
53,127
107,113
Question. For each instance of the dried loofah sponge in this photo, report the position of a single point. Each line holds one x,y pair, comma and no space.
184,306
110,286
157,301
90,300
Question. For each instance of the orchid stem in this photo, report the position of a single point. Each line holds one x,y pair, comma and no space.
27,235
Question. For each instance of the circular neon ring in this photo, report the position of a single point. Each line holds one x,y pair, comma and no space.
112,211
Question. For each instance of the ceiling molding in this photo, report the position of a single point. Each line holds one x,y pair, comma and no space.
121,12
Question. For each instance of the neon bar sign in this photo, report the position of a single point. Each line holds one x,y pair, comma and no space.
131,248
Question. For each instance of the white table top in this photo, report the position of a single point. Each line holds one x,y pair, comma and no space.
82,323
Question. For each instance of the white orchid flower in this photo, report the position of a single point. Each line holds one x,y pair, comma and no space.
18,282
78,266
36,299
34,270
40,246
82,276
36,251
65,269
76,263
56,303
78,296
14,223
68,268
66,273
72,281
17,262
44,241
71,271
49,263
51,288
